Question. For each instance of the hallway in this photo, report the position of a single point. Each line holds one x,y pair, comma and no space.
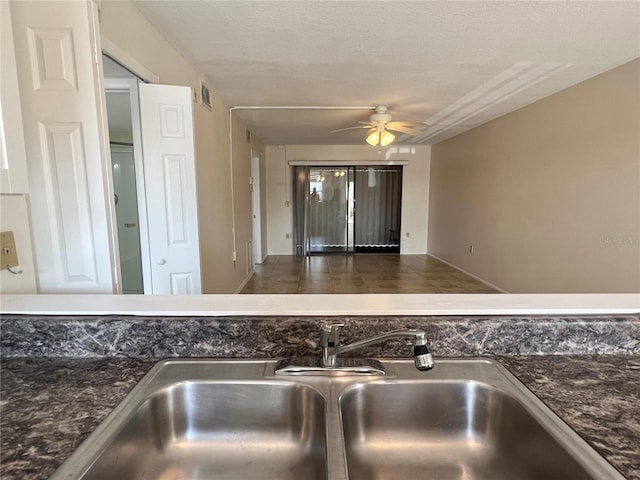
360,274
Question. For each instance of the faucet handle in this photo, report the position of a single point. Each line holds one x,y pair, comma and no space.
330,334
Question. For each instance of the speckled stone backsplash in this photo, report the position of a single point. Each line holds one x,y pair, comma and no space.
158,337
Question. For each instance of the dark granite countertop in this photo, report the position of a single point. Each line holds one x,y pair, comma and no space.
50,405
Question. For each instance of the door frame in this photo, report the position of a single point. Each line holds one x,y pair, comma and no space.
130,86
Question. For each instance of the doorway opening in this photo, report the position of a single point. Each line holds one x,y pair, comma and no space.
121,91
347,209
161,138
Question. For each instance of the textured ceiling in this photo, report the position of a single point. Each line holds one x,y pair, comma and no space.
454,65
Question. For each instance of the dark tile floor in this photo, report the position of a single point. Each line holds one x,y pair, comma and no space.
360,274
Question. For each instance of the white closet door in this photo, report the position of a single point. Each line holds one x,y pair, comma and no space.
170,184
64,128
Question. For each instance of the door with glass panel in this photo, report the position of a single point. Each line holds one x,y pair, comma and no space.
324,210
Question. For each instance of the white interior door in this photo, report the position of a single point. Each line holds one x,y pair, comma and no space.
255,201
64,121
166,116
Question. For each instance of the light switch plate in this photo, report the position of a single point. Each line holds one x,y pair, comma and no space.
8,253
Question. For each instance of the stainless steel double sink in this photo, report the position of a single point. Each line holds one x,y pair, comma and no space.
199,419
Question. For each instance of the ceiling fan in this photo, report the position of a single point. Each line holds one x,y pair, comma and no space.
380,127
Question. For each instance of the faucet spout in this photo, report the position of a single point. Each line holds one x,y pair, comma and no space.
331,348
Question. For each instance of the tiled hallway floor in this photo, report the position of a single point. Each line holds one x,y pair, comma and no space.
360,274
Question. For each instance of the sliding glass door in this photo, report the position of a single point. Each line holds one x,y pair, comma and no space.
346,209
323,210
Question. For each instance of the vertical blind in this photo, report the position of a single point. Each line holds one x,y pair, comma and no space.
378,195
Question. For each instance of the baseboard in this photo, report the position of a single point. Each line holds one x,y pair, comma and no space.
489,284
245,281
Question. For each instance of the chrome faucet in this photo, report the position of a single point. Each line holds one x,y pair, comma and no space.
331,348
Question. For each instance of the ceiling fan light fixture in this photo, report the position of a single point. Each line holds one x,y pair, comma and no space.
374,138
386,138
381,136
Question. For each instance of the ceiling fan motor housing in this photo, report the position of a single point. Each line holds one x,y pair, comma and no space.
380,118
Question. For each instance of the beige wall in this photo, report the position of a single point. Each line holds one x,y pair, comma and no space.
415,189
13,169
14,217
122,25
549,195
243,207
279,208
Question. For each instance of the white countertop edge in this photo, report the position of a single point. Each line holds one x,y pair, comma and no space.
322,305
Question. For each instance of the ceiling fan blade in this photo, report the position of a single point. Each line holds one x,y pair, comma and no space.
403,129
408,124
350,128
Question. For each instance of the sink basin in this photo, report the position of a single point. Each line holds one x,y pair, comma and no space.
204,419
447,430
207,430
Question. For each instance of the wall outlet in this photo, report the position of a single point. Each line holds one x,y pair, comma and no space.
286,203
287,235
407,235
8,252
